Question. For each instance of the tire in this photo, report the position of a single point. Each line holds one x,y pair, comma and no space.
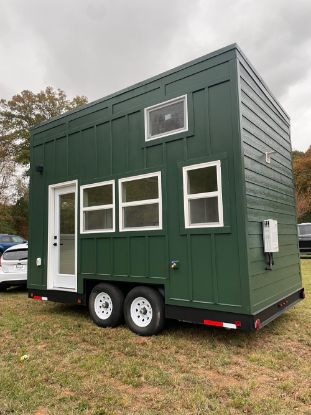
3,287
144,311
106,305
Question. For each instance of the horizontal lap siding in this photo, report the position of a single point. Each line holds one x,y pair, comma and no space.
269,190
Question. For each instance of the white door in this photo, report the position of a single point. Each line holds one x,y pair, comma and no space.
62,258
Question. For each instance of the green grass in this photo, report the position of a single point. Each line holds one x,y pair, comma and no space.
74,367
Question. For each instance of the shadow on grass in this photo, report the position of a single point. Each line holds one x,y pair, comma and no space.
197,332
186,331
17,289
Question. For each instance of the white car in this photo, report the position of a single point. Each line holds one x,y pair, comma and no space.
13,266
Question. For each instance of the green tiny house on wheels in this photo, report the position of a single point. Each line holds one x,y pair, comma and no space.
151,202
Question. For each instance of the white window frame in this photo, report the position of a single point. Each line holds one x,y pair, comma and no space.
161,105
140,202
99,207
188,197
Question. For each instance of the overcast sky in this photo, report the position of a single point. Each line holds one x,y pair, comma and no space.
95,47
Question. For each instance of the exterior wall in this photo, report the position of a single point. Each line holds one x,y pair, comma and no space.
106,141
269,189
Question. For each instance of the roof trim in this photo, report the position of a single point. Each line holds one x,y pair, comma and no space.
210,55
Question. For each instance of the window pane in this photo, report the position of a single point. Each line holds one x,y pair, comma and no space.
168,118
141,189
18,255
18,239
304,229
202,180
99,195
67,234
204,210
139,216
98,219
5,238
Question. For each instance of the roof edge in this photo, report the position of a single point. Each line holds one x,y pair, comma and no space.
144,82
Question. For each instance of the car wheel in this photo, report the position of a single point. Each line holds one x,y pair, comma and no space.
106,305
144,311
3,287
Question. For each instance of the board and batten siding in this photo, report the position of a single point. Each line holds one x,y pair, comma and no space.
106,141
269,189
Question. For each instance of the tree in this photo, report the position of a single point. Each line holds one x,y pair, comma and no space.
302,174
17,116
27,109
7,168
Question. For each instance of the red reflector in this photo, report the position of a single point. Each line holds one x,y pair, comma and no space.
213,323
37,297
257,324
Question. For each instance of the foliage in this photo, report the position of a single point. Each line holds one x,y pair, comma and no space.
17,116
6,219
27,109
7,168
302,174
20,209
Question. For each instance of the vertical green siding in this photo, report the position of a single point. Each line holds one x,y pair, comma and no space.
269,189
105,141
37,224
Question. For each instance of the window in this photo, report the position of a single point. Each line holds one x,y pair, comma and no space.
97,207
140,202
202,195
304,229
169,117
16,254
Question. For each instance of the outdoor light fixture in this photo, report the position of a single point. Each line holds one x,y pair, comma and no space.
39,169
268,154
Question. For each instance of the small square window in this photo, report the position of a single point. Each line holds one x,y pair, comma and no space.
97,207
203,195
140,202
166,118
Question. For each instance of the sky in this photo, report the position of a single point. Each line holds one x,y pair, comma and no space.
96,47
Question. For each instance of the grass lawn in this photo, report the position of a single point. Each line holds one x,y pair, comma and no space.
74,367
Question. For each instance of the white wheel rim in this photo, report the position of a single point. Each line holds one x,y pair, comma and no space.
103,306
141,312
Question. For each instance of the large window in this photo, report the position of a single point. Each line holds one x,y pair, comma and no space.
97,207
203,195
166,118
140,202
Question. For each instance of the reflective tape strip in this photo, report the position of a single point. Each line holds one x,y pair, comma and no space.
219,324
38,297
229,325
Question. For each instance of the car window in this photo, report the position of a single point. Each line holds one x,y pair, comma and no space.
17,255
5,238
304,229
18,239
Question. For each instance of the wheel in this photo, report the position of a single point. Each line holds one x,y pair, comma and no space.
3,287
106,305
144,311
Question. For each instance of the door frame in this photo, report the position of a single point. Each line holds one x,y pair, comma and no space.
51,219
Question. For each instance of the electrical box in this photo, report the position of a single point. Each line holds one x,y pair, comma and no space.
270,235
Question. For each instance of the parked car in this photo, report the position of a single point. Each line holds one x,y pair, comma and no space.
304,235
6,241
13,266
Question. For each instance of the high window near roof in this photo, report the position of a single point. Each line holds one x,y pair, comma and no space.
166,118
